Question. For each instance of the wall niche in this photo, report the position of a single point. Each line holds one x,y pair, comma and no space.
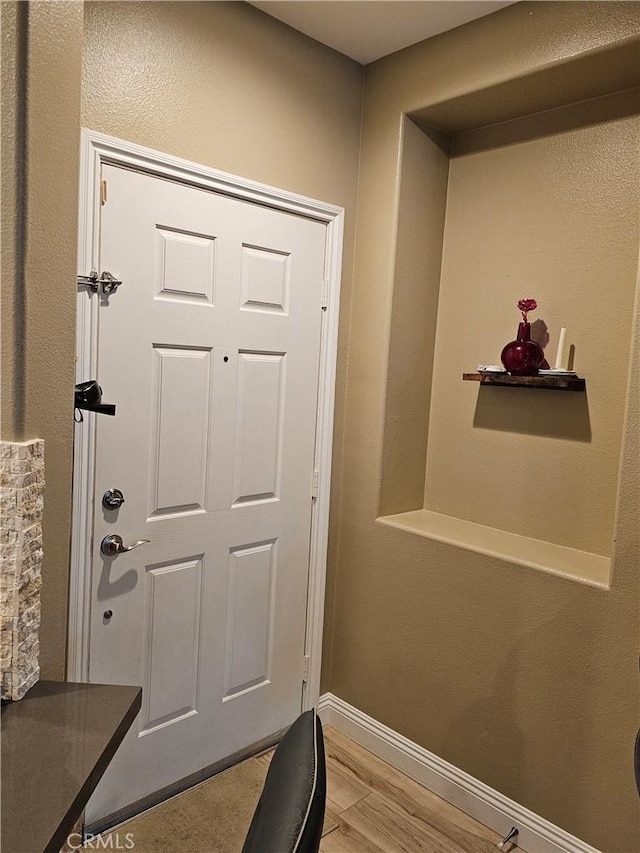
526,189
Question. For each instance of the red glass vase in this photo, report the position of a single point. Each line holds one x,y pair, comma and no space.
523,356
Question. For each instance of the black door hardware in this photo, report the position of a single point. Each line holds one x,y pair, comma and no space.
88,396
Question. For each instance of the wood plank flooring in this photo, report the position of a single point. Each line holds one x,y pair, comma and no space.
371,808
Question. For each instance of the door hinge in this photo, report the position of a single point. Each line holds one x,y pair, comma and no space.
325,294
103,192
305,668
316,484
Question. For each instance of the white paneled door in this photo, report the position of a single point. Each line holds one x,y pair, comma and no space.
210,351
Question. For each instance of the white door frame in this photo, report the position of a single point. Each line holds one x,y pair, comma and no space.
96,149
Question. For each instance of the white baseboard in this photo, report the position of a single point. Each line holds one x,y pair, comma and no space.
489,807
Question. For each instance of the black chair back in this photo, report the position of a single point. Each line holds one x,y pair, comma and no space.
290,813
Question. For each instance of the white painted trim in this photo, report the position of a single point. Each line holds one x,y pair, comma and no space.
96,149
324,444
84,433
470,795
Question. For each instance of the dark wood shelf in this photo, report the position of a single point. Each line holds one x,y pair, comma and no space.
551,383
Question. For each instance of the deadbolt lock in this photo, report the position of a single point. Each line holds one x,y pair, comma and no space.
112,499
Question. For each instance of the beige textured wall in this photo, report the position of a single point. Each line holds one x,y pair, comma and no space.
228,86
11,129
527,681
412,334
38,292
553,216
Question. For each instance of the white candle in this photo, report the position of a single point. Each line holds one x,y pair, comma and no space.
559,356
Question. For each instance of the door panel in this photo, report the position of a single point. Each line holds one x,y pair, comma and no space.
179,251
210,350
264,280
180,425
259,416
173,598
250,618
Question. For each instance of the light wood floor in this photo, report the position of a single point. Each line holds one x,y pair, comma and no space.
373,808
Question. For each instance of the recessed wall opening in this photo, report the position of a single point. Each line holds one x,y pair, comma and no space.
543,205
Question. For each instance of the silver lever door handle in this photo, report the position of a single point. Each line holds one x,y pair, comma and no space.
113,544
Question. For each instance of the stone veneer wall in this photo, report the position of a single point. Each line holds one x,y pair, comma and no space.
21,504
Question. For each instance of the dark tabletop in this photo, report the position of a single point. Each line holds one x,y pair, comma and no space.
56,744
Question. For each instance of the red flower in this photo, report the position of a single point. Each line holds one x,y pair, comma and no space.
526,305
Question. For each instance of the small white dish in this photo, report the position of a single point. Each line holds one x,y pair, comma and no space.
490,368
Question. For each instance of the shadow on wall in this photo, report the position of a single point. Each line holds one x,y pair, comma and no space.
534,411
478,125
19,290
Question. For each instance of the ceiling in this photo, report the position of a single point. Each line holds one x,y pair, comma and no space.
366,30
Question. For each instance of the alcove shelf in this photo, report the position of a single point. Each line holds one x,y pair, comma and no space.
552,383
